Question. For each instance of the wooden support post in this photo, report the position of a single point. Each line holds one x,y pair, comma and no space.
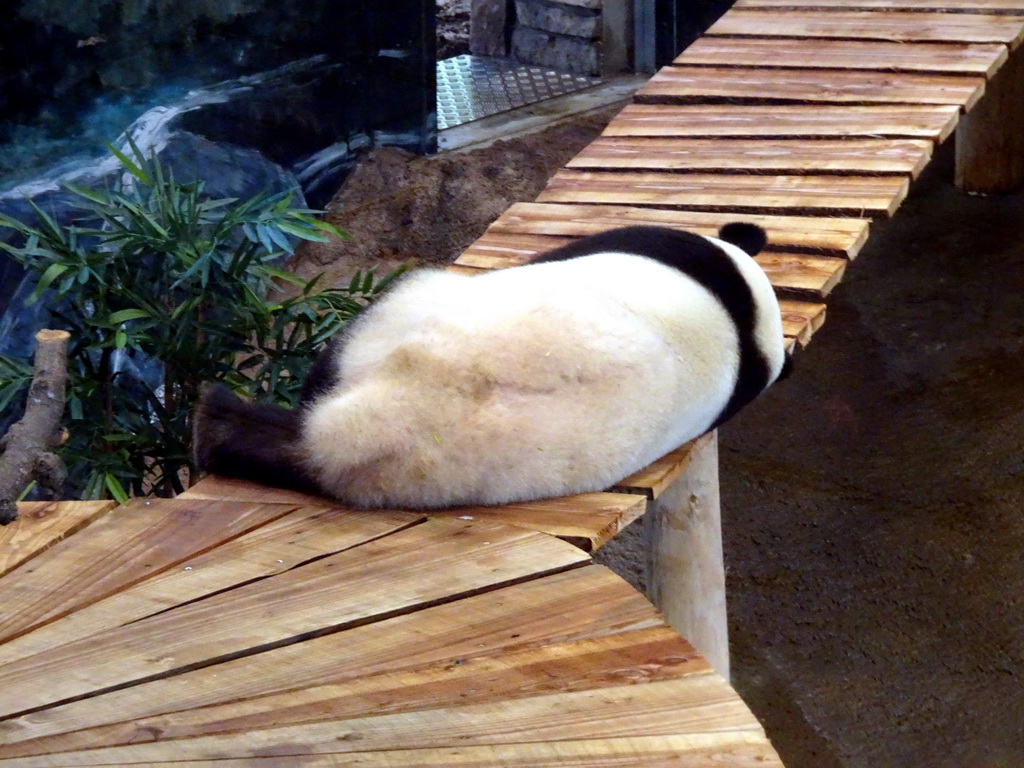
685,565
990,138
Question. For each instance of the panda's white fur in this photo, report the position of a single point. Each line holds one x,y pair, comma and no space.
537,381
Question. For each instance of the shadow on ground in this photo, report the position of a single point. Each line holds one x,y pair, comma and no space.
874,505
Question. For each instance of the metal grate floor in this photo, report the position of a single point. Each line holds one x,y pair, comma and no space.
472,87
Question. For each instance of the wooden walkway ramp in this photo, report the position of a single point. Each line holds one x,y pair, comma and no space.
277,633
240,626
808,117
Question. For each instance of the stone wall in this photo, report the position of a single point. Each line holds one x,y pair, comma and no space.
581,36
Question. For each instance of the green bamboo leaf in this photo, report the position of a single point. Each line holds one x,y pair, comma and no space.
135,170
89,194
51,273
125,315
120,338
282,274
117,490
280,239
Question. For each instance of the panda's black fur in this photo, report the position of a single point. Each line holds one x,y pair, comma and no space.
558,377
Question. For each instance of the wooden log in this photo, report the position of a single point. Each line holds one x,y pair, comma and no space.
990,139
685,566
25,451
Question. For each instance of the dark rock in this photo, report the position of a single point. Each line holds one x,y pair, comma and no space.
559,19
569,54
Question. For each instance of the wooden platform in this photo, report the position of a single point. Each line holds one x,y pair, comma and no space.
810,117
204,632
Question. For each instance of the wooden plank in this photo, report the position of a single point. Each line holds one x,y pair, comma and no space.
747,748
41,524
820,156
587,602
588,520
627,658
785,121
800,275
299,536
695,705
658,476
873,25
1012,7
831,195
982,59
217,487
438,560
124,547
757,85
810,234
801,319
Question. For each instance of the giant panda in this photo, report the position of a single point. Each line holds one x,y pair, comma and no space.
558,377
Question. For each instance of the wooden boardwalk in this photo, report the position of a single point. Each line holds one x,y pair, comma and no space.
277,632
239,626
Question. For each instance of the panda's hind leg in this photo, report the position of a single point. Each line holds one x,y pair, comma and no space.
252,441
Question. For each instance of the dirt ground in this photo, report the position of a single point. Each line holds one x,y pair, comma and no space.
873,503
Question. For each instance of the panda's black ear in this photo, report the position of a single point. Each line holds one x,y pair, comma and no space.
750,237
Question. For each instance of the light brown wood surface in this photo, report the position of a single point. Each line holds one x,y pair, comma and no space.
40,525
832,236
872,25
1013,7
791,274
143,538
982,59
792,156
784,121
412,636
588,520
856,196
678,84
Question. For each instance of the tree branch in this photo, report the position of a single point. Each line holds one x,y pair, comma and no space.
28,442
